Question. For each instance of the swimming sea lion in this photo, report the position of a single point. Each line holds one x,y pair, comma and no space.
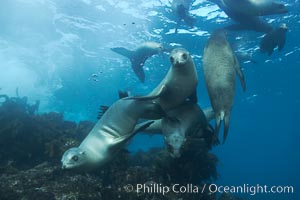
248,17
181,9
190,122
185,121
247,12
257,8
109,135
178,85
273,39
220,66
139,56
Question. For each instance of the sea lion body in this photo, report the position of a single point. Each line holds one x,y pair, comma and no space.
179,84
109,135
273,39
186,120
256,7
181,9
139,56
220,66
191,121
247,12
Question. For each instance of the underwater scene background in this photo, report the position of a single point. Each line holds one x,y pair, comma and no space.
58,53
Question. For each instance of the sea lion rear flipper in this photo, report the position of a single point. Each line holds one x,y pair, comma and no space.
146,98
239,73
226,126
209,113
123,51
140,127
136,64
217,129
137,67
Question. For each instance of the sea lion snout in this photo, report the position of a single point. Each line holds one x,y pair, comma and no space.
179,58
283,26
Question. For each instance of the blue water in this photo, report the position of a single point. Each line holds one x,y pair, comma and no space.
49,50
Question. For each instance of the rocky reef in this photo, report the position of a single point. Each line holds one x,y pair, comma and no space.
31,147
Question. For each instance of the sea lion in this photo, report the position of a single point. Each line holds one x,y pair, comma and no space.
248,17
220,66
273,39
139,56
178,85
185,121
247,12
257,8
181,9
109,135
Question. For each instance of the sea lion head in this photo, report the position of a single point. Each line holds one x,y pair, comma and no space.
283,26
174,136
179,57
278,8
74,158
153,47
174,143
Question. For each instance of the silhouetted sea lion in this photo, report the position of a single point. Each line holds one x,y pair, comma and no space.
247,12
256,7
181,9
273,39
139,56
220,66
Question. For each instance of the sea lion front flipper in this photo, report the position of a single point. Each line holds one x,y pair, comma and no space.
281,35
281,43
146,98
189,20
102,110
239,73
154,128
140,127
123,94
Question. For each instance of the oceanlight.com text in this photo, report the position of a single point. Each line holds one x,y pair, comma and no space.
155,188
250,189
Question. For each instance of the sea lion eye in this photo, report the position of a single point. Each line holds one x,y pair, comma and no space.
172,59
75,158
184,56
